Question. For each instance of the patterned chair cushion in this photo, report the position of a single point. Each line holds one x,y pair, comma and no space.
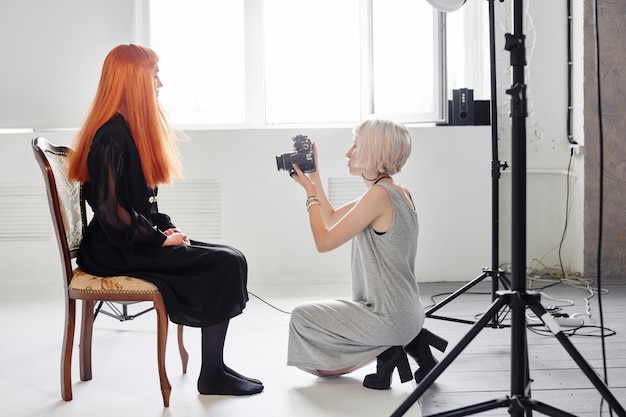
82,281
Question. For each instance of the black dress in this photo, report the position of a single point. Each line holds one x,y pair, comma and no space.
202,284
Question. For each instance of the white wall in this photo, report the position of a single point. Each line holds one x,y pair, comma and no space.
262,210
547,145
52,53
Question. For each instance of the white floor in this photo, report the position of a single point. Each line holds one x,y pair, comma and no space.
125,380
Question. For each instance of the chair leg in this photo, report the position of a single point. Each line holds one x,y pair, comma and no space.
162,324
68,344
86,337
184,356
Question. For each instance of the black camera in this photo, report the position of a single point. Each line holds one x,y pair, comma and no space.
302,156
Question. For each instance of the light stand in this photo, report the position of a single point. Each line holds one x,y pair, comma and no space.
520,402
495,273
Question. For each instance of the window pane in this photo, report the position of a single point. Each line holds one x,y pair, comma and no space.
455,52
312,61
201,48
403,57
468,49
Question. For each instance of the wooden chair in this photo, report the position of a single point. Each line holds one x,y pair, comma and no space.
67,207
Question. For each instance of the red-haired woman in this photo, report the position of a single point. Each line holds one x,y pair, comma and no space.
124,151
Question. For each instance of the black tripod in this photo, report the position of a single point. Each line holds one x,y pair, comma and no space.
495,273
520,402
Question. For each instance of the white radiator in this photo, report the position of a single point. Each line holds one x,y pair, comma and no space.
195,207
345,189
24,213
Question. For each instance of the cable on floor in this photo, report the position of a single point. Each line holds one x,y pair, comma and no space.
268,303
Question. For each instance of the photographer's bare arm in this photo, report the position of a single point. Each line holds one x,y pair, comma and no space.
330,214
332,228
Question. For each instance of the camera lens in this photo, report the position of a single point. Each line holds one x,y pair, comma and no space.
283,162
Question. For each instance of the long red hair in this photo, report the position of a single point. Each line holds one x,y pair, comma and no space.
127,86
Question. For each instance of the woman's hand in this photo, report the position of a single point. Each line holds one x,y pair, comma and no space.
307,181
175,238
304,180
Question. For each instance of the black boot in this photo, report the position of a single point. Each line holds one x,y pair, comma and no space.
386,362
419,349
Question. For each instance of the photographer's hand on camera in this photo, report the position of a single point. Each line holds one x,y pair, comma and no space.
308,181
305,180
322,215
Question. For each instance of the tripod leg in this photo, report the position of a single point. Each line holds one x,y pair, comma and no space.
97,309
449,358
475,408
554,327
454,295
498,277
506,283
545,409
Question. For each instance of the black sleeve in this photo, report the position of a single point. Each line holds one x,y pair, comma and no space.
108,162
162,221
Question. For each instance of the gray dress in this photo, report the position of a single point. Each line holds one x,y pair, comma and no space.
386,309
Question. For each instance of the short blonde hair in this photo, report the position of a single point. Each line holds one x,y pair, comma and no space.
383,145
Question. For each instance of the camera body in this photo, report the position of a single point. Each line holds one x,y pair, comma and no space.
302,156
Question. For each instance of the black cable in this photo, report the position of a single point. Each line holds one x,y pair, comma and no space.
567,197
570,136
569,71
575,331
442,294
603,332
601,190
262,300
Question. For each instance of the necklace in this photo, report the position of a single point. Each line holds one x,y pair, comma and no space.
380,178
375,180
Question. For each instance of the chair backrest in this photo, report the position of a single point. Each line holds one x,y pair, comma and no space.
65,199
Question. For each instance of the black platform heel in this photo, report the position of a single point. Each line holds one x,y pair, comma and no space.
419,349
386,362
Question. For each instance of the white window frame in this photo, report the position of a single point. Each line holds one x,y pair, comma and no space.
255,90
439,68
